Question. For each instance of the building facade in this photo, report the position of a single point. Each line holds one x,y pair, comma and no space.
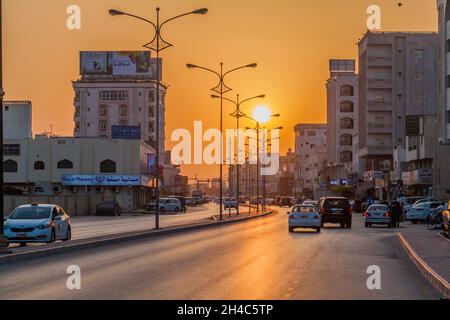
342,115
397,88
441,174
105,98
310,139
77,173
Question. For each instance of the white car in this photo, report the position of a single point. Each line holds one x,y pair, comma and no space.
230,203
304,217
166,205
420,212
420,201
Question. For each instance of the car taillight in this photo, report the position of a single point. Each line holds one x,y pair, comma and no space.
322,211
350,211
366,214
387,214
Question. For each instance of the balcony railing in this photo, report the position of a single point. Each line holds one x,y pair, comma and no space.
379,61
379,127
380,83
379,106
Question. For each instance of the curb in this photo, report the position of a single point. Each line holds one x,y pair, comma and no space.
118,239
438,282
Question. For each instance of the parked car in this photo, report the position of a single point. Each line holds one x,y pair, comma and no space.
304,217
336,210
378,214
170,205
108,208
446,221
408,201
230,203
286,202
421,211
183,203
37,223
422,200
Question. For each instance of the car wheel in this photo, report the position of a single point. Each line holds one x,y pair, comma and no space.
291,230
69,234
318,230
23,244
177,210
52,237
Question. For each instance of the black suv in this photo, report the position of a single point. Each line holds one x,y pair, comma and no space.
336,210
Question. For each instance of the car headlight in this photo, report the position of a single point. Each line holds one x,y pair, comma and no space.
44,226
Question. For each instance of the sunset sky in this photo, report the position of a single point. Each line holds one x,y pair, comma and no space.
291,40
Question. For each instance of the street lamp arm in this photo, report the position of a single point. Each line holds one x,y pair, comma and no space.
233,102
137,17
252,98
203,68
200,11
239,68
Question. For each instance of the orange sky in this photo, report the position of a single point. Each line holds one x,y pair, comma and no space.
292,41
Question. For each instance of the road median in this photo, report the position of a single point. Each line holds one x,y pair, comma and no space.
90,243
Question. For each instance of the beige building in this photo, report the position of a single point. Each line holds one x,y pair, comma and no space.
342,118
310,140
77,173
397,84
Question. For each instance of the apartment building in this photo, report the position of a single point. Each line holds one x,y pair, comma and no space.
397,92
342,118
17,120
310,140
118,89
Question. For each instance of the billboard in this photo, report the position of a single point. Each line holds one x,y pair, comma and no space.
93,62
116,63
126,132
11,149
101,180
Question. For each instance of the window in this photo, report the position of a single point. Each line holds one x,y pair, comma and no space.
123,122
108,166
302,133
311,133
10,166
77,96
419,53
346,156
347,107
419,98
102,110
379,97
151,127
39,165
151,96
346,140
419,75
102,125
347,123
113,95
347,91
65,164
123,110
151,112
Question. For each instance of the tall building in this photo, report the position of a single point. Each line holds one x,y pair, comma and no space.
17,120
310,139
118,89
441,177
397,80
342,114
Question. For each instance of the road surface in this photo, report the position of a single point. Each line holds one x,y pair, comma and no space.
253,260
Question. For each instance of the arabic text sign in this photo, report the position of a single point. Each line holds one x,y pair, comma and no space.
101,180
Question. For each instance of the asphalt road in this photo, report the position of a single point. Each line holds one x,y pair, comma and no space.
253,260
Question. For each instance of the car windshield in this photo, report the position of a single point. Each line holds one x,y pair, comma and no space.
304,209
411,201
30,213
337,203
421,205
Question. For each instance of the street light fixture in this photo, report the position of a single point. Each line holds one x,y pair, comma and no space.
238,114
157,44
221,88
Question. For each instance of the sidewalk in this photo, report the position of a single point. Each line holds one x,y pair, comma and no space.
431,253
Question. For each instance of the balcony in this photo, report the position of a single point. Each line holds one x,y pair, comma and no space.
379,127
379,106
379,83
376,151
379,61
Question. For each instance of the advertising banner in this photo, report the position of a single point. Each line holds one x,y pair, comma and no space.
126,132
131,63
93,62
101,180
151,164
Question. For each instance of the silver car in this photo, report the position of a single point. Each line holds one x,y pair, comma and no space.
378,214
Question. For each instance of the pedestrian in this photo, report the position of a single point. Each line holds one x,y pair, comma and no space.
396,212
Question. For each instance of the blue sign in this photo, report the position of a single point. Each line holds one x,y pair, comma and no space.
101,180
126,132
151,164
